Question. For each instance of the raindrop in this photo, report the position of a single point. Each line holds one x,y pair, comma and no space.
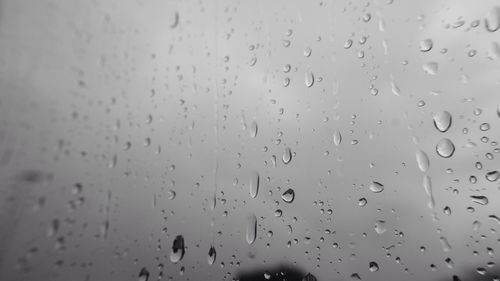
484,127
211,255
288,196
479,199
178,249
362,202
442,121
492,21
287,156
445,148
309,277
492,176
337,137
428,190
422,161
307,52
426,45
254,184
373,266
431,68
251,229
445,244
309,78
348,44
253,129
380,227
143,274
376,187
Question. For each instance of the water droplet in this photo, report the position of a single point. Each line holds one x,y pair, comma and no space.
484,127
143,274
445,244
307,52
442,121
309,277
492,176
251,229
445,148
431,68
309,78
376,187
362,202
253,129
494,51
380,227
254,184
427,183
337,137
171,194
422,161
253,61
288,196
211,255
426,45
492,21
287,156
178,249
348,44
479,199
447,210
373,266
494,218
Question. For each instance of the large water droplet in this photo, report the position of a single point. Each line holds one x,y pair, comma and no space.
442,121
251,229
376,187
373,266
288,195
287,156
431,68
178,249
479,199
211,255
254,129
337,137
492,21
426,45
445,148
254,184
309,78
380,227
492,176
143,274
422,161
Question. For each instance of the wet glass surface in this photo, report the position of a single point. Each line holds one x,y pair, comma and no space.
249,140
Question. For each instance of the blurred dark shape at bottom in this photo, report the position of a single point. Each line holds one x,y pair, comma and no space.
280,272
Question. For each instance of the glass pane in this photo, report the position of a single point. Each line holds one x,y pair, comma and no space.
249,140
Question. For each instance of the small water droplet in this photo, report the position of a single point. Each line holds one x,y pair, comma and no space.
211,255
431,68
251,233
380,227
288,196
445,148
254,129
373,266
422,161
309,277
492,21
287,156
254,184
178,250
442,121
337,137
143,274
426,45
492,176
307,52
376,187
309,78
362,202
